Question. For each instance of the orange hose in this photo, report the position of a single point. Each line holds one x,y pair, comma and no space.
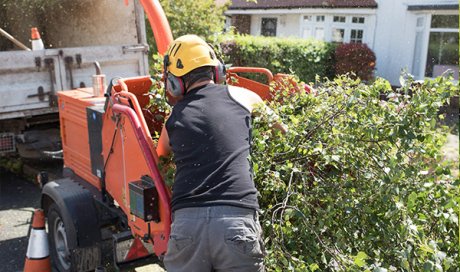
159,24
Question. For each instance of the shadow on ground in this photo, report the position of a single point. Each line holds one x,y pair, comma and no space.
18,199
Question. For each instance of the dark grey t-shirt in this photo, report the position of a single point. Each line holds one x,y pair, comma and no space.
210,136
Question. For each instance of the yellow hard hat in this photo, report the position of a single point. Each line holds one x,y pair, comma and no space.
187,53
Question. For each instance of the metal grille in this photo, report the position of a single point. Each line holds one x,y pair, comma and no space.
7,143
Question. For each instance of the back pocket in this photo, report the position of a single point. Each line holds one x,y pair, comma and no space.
181,235
244,241
180,242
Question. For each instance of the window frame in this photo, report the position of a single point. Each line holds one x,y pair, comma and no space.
339,17
313,28
262,25
312,25
344,37
425,30
358,19
361,40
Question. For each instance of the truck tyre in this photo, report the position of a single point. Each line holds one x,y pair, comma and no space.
73,225
59,235
62,234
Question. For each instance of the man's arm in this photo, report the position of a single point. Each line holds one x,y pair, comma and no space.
252,101
273,118
163,147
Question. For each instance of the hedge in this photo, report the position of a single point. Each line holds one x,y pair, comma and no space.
356,58
358,183
305,58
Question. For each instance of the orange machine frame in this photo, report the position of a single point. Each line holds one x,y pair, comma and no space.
74,131
130,154
128,150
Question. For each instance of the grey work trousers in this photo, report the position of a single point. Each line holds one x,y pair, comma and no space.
215,238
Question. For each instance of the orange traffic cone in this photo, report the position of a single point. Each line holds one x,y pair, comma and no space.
37,43
38,257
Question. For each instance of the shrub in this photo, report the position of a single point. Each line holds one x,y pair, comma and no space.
304,58
355,58
200,17
358,183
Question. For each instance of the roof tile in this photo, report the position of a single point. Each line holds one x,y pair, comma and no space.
276,4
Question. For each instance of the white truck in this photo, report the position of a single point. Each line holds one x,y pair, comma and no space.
76,34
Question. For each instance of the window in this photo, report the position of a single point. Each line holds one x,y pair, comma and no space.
356,36
357,20
338,34
339,19
313,26
307,18
338,28
228,23
442,46
320,18
444,21
269,26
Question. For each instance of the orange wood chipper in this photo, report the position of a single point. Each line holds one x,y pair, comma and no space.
113,206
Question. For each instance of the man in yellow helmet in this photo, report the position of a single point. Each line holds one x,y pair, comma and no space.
214,201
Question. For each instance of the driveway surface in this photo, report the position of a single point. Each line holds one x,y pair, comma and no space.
18,199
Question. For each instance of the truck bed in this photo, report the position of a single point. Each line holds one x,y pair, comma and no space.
76,34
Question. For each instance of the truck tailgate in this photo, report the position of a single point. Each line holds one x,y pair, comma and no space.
30,79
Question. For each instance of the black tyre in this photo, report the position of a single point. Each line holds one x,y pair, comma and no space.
66,255
60,236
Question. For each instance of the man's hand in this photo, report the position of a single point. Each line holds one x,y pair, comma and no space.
271,116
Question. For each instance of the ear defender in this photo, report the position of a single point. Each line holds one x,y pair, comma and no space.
186,54
220,71
173,84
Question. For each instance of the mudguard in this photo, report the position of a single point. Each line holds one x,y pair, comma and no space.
78,210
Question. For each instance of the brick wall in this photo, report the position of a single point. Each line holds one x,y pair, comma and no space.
242,23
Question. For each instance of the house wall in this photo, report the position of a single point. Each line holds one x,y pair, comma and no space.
398,36
396,33
394,42
290,20
288,24
242,23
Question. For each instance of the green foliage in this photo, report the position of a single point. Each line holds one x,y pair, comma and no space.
200,17
11,164
161,108
304,58
358,183
356,58
158,104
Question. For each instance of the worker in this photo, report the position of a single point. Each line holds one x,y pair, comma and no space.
215,224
